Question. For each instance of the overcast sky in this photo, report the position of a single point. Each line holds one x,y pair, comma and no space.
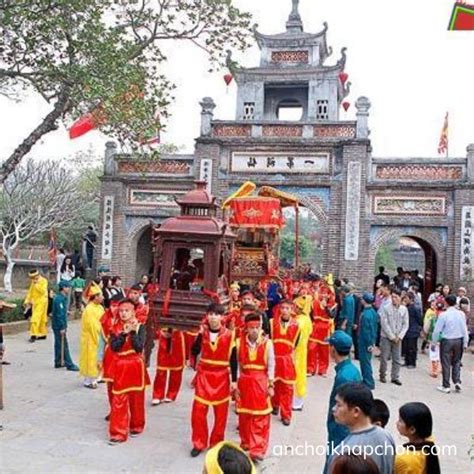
400,55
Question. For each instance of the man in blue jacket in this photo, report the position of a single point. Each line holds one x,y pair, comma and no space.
367,337
62,358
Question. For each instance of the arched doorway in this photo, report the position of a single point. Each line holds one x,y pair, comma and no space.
144,254
311,246
412,253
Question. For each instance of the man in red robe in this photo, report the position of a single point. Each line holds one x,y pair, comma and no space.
130,376
284,333
256,362
215,345
106,356
141,309
169,366
236,320
318,347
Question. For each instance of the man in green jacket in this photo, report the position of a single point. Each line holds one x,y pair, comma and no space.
340,348
367,336
62,358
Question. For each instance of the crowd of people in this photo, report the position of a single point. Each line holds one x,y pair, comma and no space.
255,353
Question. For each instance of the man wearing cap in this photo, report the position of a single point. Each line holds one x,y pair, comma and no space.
62,357
90,336
346,371
255,387
37,300
102,271
367,337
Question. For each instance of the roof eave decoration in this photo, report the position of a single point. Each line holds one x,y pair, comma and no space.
324,50
344,91
285,36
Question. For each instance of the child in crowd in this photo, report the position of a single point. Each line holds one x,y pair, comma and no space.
78,285
380,413
416,423
428,328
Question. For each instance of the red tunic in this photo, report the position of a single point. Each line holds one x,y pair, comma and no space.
141,312
175,357
107,322
284,341
253,378
322,324
212,380
129,372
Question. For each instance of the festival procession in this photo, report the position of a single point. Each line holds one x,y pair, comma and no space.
290,294
253,335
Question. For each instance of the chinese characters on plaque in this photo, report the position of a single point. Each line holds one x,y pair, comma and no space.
280,163
467,243
353,211
205,172
107,228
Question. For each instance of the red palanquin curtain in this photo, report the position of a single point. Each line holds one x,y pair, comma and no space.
258,212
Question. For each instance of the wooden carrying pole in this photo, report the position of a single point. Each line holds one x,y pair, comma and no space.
297,237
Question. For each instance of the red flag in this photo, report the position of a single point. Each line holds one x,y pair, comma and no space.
443,140
81,126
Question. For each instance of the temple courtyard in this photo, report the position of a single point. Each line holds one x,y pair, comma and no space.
52,424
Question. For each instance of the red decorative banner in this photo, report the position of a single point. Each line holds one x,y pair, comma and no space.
462,17
258,212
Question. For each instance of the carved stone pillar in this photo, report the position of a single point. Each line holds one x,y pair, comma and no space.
110,166
207,113
470,162
363,105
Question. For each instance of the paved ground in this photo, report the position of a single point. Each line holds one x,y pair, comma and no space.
53,424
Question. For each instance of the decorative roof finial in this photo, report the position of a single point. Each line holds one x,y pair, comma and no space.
294,23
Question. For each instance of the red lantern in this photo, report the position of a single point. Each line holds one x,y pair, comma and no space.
346,105
343,77
228,79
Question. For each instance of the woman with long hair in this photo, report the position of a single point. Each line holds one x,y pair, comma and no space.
67,269
416,423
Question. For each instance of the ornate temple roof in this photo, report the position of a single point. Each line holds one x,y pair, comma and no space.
295,36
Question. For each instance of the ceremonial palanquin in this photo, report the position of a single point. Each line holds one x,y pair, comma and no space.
192,253
257,221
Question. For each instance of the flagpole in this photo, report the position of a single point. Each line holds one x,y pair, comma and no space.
447,136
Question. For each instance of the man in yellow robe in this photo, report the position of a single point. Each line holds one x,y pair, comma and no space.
303,306
90,336
37,300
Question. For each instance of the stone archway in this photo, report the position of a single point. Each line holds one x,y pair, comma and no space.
312,220
139,250
431,242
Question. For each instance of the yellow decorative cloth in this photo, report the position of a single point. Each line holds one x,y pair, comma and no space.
211,463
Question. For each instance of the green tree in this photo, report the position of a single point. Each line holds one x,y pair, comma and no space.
36,197
105,57
384,258
287,248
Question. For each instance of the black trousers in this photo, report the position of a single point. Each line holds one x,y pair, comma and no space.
411,349
450,352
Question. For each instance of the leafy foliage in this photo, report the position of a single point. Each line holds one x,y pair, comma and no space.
105,57
287,248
